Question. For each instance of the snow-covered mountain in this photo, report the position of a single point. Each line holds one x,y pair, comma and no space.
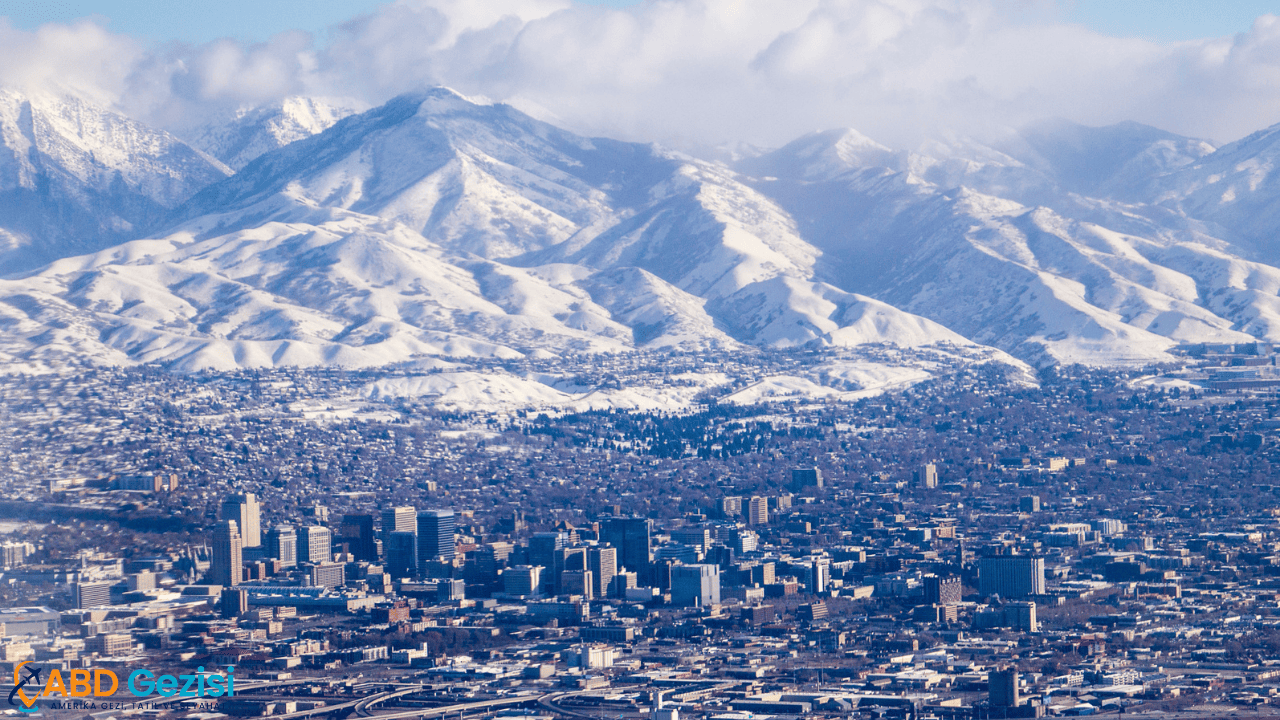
1235,191
1009,251
75,178
437,225
478,178
240,137
383,239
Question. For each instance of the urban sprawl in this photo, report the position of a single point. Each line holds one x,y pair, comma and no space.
985,543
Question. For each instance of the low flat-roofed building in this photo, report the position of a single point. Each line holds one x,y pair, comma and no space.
315,599
37,620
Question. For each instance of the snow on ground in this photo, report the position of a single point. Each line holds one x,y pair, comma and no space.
500,390
470,390
870,379
1164,382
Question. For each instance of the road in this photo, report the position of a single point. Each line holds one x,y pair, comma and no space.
460,709
362,707
548,702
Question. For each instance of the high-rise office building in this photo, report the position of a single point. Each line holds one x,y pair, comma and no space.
315,544
574,558
326,574
730,506
571,558
1022,616
282,544
764,573
224,567
93,594
1011,576
398,519
551,551
744,541
819,575
234,602
449,590
699,538
577,582
942,590
543,546
357,532
804,478
677,552
482,567
927,476
545,551
523,580
435,536
603,562
245,511
758,511
633,539
1002,688
402,553
501,551
695,585
620,584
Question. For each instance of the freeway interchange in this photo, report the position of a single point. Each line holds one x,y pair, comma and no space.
368,705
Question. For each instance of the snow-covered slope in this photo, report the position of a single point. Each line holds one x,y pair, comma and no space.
1236,190
75,178
437,225
478,178
328,286
1086,280
242,136
383,239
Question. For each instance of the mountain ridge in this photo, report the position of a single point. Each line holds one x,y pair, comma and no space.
435,225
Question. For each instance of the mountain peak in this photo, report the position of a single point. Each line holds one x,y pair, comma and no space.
76,177
443,93
242,136
1100,160
822,155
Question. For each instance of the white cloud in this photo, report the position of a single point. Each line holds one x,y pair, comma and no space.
82,58
691,72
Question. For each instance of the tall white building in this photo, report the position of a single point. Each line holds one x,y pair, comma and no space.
246,513
522,580
1011,575
927,476
695,585
603,563
315,544
282,544
224,566
399,519
819,575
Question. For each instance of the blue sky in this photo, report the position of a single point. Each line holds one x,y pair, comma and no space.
255,20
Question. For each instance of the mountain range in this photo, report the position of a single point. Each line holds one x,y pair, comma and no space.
309,232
